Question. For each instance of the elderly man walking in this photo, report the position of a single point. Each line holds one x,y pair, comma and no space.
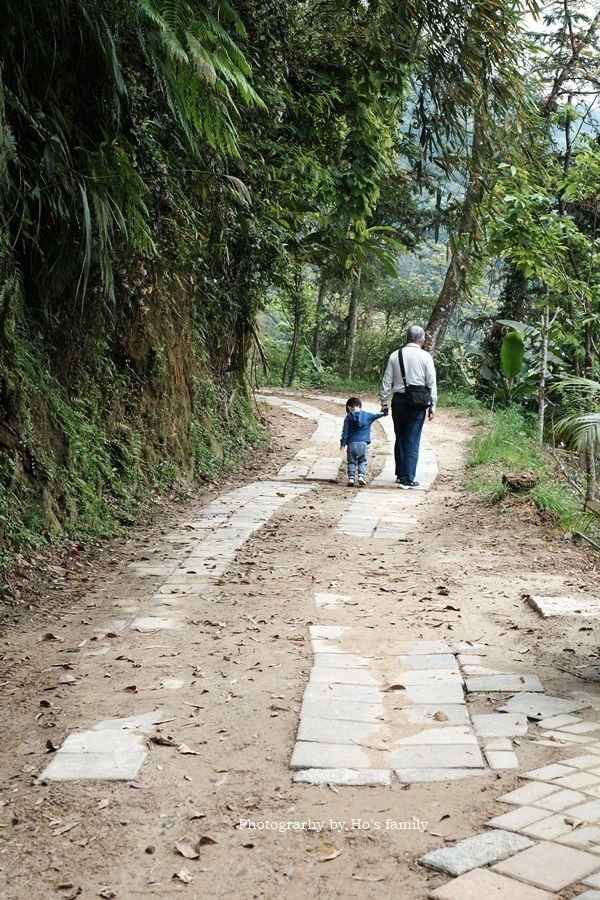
408,408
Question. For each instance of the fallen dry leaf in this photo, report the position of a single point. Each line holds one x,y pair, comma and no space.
65,828
139,785
183,748
205,840
131,689
331,856
183,875
440,716
186,850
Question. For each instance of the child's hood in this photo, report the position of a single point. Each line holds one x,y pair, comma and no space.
357,416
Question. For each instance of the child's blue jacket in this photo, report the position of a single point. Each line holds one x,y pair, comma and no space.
357,426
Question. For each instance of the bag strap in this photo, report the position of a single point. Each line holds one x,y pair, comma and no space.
402,369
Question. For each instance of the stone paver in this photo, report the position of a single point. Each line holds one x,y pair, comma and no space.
441,735
518,818
559,800
500,725
502,759
491,683
541,706
331,731
114,750
564,606
548,773
529,794
444,756
549,865
422,775
479,883
423,713
548,829
587,812
584,781
584,837
428,661
479,850
342,675
433,693
342,776
308,755
343,710
559,721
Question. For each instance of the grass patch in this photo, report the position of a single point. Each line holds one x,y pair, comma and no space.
506,445
460,401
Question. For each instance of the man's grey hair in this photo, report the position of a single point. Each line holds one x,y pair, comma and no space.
415,334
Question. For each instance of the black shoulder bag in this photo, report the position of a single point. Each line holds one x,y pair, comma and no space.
418,396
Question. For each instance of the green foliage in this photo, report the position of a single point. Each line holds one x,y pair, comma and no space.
508,444
512,353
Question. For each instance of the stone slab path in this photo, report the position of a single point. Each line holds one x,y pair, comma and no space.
397,713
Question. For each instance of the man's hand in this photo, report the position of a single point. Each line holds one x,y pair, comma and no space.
342,446
384,410
430,414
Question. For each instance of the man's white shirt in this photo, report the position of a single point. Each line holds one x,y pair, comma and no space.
419,368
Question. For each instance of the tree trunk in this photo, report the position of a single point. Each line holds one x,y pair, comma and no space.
543,366
352,321
458,269
316,335
290,365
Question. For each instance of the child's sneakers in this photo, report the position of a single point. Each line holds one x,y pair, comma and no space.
351,482
361,481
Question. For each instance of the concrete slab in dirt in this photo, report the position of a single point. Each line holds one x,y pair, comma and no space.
480,883
443,734
340,710
502,759
328,731
342,675
564,606
122,765
548,865
113,750
357,693
426,676
340,661
452,756
426,776
410,648
428,661
480,850
425,713
491,683
432,693
326,632
519,818
500,724
541,706
354,777
308,755
529,794
586,837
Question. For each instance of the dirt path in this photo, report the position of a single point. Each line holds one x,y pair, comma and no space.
215,645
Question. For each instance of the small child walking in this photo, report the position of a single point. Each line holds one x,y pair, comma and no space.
356,437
